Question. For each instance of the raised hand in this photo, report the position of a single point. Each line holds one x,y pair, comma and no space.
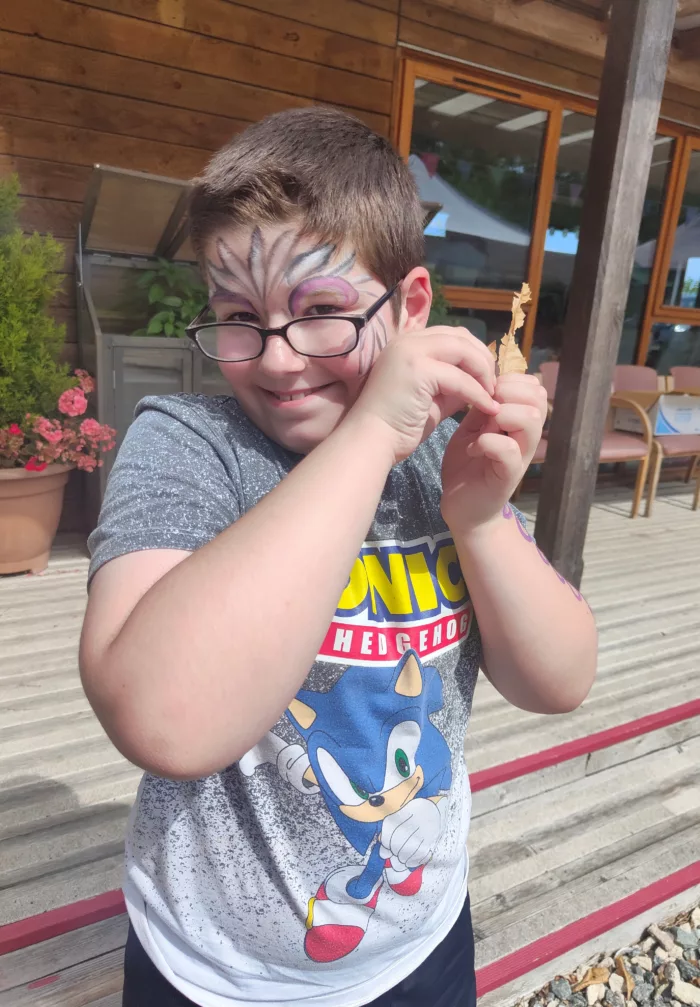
489,454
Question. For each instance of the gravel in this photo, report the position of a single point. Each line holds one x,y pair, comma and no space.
661,970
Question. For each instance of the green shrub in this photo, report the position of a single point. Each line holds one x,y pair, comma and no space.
31,377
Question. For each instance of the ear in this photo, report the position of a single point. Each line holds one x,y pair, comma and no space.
416,298
302,713
410,681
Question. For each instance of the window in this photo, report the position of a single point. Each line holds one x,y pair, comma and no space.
683,278
502,168
476,158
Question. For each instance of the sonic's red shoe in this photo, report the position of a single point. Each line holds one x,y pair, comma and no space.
403,882
336,923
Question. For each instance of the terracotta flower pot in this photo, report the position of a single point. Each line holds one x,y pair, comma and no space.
30,509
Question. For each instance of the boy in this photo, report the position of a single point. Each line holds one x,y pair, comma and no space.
299,836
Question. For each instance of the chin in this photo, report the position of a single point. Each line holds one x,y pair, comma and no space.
302,438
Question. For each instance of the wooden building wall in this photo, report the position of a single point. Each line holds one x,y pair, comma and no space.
156,85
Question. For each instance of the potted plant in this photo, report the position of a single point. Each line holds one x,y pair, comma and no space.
42,436
175,296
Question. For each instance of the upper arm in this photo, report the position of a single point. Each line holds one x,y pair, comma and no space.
116,590
169,493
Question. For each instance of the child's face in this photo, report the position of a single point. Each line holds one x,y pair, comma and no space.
268,276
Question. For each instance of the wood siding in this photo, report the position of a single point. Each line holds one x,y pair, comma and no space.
157,85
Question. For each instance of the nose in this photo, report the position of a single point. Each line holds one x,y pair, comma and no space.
376,800
280,358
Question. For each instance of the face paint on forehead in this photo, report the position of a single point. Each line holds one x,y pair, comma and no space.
344,267
265,266
307,263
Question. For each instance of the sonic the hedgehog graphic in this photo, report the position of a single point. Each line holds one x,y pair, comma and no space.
383,769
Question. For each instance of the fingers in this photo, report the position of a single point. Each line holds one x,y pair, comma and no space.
457,389
460,348
503,453
524,423
522,388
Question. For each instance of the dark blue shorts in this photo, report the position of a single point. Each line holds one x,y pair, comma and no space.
445,979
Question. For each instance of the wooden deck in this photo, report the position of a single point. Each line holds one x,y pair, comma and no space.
547,847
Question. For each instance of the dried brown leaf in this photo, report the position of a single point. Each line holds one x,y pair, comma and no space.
595,975
493,350
621,970
510,359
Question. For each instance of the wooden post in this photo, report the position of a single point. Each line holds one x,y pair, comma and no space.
632,83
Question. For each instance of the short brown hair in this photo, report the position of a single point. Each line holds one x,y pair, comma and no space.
345,182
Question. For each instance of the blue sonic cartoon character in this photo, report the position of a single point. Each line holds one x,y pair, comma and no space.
382,768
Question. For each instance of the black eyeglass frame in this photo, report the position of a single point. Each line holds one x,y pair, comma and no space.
359,321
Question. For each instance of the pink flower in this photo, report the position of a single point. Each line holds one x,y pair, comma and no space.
91,428
50,431
15,430
87,383
73,402
34,465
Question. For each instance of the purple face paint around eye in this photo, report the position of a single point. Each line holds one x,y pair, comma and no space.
340,291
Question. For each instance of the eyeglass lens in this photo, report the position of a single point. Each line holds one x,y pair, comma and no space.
317,337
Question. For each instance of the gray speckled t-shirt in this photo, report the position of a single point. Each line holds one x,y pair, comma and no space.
327,863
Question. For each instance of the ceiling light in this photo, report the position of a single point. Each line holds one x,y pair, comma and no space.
461,103
576,137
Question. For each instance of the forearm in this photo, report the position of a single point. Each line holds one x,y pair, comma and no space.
539,637
210,656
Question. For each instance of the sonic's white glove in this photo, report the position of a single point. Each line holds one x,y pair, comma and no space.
410,835
292,761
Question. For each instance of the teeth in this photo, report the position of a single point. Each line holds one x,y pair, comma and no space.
292,398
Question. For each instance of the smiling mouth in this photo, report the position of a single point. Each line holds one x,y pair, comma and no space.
295,396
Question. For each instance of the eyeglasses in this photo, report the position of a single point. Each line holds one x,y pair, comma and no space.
310,336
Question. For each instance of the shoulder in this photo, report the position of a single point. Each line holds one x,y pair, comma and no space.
209,416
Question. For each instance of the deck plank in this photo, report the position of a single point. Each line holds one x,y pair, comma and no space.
21,967
77,986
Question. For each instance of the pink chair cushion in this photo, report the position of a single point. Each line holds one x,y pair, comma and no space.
631,378
686,378
619,447
616,447
679,445
550,372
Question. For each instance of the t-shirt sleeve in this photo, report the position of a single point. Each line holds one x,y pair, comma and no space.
172,486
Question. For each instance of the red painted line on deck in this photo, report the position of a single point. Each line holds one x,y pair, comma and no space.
38,928
583,746
46,981
546,949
